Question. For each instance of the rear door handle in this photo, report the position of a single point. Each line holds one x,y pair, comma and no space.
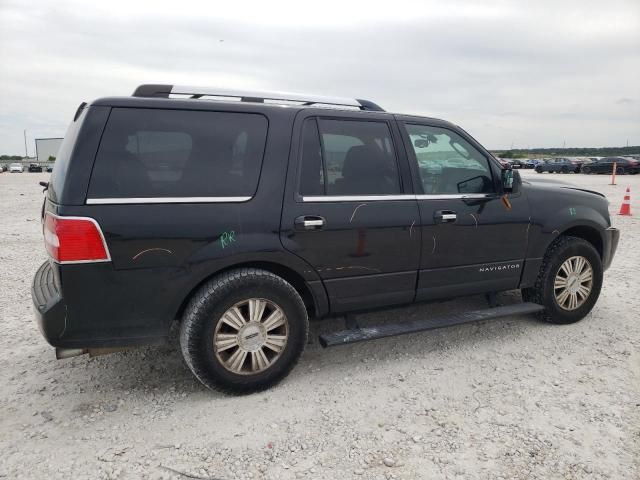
445,216
309,222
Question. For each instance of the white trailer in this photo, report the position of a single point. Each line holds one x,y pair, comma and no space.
47,147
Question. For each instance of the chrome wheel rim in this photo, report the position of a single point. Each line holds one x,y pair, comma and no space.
250,336
573,283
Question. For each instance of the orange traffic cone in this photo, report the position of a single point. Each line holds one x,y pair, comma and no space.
625,208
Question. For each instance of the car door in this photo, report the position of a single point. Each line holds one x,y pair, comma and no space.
349,209
473,239
604,165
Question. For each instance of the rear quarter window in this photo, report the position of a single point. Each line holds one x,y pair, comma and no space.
64,155
147,153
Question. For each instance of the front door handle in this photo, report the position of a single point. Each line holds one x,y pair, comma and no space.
445,216
309,222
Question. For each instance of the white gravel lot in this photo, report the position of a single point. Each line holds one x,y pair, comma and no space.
510,398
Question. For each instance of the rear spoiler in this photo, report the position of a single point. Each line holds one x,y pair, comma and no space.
79,111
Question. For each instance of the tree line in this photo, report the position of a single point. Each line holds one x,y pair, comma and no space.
567,152
20,157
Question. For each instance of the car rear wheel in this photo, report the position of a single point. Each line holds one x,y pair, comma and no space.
244,331
569,281
586,170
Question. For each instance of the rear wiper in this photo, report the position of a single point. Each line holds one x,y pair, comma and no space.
45,186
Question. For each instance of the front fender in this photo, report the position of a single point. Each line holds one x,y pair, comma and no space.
555,211
543,231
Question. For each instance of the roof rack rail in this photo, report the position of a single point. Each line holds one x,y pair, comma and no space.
164,91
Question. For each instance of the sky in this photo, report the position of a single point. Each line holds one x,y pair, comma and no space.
517,73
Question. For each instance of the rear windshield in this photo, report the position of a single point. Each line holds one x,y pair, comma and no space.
178,153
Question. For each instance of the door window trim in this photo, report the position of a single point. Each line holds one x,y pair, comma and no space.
149,200
407,196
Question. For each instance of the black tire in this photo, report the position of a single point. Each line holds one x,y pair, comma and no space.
620,171
586,170
539,170
208,305
542,292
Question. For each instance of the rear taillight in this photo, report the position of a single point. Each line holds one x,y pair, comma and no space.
74,239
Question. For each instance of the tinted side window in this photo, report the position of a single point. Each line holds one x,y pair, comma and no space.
175,153
447,163
359,158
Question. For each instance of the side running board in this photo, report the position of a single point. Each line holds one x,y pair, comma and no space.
393,329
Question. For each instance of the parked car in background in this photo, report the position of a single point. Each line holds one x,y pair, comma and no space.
510,162
16,168
558,165
3,168
605,165
578,162
516,163
34,167
530,163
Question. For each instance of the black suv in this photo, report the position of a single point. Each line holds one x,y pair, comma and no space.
34,167
242,219
558,165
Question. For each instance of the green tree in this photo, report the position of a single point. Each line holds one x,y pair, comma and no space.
511,154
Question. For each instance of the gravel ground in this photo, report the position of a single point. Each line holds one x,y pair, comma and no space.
509,398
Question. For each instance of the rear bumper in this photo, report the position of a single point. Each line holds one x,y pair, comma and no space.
50,310
611,238
84,320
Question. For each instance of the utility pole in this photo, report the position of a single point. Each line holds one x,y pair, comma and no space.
26,152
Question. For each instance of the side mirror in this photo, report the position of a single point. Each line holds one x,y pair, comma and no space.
511,180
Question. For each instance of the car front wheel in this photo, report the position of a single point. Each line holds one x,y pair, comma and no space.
569,281
244,331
